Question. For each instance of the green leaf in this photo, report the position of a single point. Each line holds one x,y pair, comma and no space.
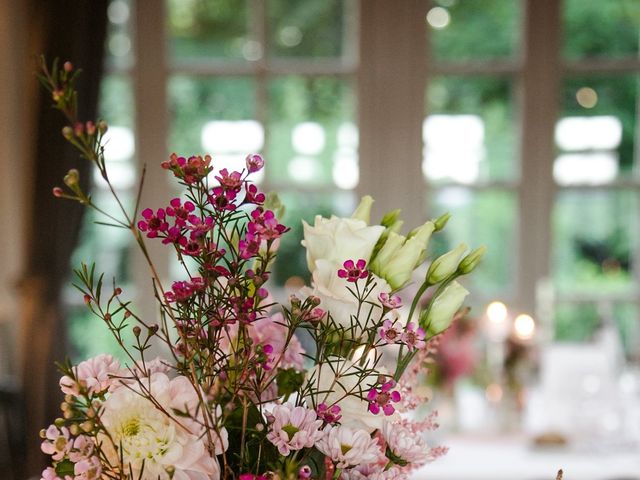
289,381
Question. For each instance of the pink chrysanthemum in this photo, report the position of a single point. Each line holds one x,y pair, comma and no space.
96,375
353,272
293,428
407,446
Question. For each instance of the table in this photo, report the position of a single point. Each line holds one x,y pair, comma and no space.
512,458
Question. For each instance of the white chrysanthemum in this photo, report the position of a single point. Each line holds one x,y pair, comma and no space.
144,434
405,444
348,447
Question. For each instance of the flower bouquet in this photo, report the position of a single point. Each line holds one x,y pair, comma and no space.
236,396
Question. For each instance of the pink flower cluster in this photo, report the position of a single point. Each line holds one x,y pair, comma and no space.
411,336
182,291
92,376
190,170
263,227
59,444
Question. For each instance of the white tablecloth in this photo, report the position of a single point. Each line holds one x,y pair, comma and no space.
505,458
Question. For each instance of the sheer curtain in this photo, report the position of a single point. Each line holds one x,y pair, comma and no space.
72,30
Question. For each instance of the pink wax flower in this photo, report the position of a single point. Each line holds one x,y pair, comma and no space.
222,199
254,162
88,469
252,195
180,211
50,474
153,223
329,415
229,181
82,448
390,332
57,442
353,272
390,301
413,338
184,290
293,428
382,397
198,227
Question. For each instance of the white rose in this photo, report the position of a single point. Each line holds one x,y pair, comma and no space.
336,298
339,239
348,390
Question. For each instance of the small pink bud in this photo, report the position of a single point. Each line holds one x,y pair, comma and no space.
304,472
91,128
58,192
78,129
87,299
254,162
68,66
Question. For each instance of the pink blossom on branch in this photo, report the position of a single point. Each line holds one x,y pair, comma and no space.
353,271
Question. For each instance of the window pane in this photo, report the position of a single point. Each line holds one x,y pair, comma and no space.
593,236
291,261
576,322
483,218
214,116
601,28
307,28
470,133
313,139
580,322
119,49
468,30
201,29
596,130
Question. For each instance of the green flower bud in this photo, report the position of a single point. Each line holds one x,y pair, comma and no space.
390,218
445,265
72,178
441,221
437,318
363,211
399,269
396,226
392,244
471,261
423,232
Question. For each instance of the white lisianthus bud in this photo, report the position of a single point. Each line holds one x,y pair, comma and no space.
445,265
442,309
423,232
390,218
470,262
398,271
441,221
363,211
391,246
